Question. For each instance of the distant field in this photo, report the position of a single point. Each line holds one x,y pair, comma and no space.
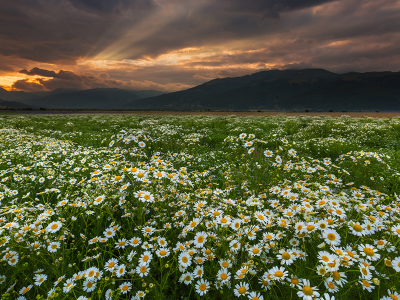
202,205
221,113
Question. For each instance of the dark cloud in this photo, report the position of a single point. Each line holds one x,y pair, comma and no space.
38,71
110,6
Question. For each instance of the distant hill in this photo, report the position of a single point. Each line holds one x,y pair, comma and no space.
93,98
313,89
105,98
13,105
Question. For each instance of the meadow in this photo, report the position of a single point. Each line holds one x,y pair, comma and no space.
199,207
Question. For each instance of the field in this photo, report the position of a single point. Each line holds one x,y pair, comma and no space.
100,206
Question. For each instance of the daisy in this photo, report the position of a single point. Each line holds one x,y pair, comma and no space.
367,285
125,287
338,277
234,245
202,287
369,252
39,279
307,292
68,285
185,259
198,272
88,286
142,270
396,264
225,264
98,200
163,252
186,278
236,223
285,256
326,257
24,290
131,255
200,238
120,270
279,273
241,289
145,258
331,237
109,233
54,227
111,264
255,296
52,247
331,286
121,244
109,294
162,242
140,294
135,241
223,275
90,273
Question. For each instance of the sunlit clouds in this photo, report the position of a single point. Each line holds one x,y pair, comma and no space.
172,45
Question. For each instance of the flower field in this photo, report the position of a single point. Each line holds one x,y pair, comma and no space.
199,207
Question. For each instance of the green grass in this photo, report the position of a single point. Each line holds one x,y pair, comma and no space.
342,171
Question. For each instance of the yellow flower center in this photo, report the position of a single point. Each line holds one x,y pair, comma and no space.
336,275
331,236
369,251
242,290
307,291
278,274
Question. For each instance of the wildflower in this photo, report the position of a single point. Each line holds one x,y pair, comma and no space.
223,275
125,287
120,270
142,270
98,200
53,247
39,279
369,252
185,259
241,289
307,292
200,238
54,227
186,278
331,237
145,258
202,287
367,285
279,273
89,286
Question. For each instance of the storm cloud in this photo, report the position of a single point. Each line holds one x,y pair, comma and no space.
172,44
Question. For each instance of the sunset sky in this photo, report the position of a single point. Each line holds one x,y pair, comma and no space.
170,45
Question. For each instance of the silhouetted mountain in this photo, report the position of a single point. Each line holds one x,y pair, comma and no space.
74,98
93,98
14,105
313,89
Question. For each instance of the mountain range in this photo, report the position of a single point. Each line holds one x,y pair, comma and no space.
312,89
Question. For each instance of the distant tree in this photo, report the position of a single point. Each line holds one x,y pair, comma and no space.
307,110
331,110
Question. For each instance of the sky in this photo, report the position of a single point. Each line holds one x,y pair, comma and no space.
171,45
